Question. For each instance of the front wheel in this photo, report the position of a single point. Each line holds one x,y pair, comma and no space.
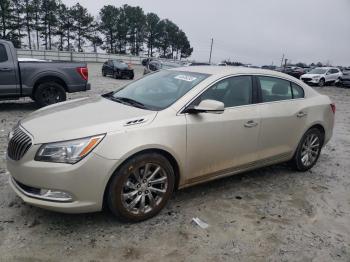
141,187
308,150
321,83
49,93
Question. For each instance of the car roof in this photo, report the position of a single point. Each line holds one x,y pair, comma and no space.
230,70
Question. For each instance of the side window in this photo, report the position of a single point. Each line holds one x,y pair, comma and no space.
334,71
3,53
233,91
274,89
298,92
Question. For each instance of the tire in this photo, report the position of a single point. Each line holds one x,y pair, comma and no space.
131,77
307,152
49,93
322,82
136,205
103,73
116,74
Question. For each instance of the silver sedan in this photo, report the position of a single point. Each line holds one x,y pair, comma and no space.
130,149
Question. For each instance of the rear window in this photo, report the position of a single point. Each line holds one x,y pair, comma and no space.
3,53
274,89
298,92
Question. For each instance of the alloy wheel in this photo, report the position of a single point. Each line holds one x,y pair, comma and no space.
144,188
51,95
310,150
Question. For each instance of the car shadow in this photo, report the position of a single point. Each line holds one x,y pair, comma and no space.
228,185
26,105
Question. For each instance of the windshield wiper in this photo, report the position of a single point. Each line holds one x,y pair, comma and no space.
129,101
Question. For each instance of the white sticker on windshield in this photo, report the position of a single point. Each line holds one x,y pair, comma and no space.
186,78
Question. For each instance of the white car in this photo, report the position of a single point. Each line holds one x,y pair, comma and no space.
130,149
321,76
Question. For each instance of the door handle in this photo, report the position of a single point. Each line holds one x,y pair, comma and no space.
250,123
5,69
301,114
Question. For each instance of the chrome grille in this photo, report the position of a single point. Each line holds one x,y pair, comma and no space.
18,145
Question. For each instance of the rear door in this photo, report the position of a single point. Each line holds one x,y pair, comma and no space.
219,143
8,78
283,117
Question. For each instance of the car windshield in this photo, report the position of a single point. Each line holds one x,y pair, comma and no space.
120,64
318,71
158,90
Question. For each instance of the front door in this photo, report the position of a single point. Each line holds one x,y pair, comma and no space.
218,144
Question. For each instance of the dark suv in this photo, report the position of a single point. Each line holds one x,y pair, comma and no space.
117,69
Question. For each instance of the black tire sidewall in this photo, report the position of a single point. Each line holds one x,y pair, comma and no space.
37,94
297,157
324,82
116,186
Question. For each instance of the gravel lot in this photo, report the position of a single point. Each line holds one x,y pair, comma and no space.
272,214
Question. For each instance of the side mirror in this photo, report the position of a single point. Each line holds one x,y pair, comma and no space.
207,106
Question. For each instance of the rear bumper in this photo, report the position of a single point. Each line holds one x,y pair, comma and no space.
79,88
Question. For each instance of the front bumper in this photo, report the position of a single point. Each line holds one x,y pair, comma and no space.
84,181
310,81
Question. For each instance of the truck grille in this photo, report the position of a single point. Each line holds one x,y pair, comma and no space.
18,145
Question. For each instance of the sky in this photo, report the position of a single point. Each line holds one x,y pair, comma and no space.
258,32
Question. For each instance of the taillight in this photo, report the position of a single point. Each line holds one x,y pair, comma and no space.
83,72
333,107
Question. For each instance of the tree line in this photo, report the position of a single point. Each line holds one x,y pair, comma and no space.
51,25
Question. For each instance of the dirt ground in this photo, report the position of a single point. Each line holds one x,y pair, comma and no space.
272,214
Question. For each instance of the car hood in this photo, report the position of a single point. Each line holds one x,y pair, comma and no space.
311,75
83,117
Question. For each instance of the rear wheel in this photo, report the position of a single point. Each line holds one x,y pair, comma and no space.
103,73
49,93
308,150
141,187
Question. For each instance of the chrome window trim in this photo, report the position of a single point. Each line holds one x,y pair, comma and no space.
180,112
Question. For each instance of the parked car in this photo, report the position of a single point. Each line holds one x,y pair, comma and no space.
344,80
145,61
156,65
45,82
292,70
198,64
269,67
117,69
321,76
130,149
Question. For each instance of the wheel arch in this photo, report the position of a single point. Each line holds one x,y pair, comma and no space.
172,160
49,78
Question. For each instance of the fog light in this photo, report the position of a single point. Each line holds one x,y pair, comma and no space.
55,195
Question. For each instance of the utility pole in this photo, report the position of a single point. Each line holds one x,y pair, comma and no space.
282,60
211,50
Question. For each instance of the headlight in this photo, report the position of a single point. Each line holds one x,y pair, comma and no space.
69,152
315,77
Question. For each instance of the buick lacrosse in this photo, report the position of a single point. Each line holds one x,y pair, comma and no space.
128,150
